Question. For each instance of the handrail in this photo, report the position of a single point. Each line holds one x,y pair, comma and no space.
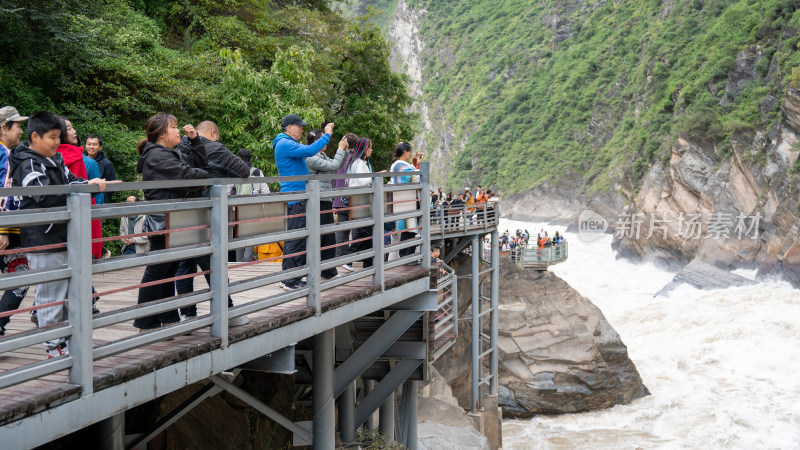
444,323
459,219
540,258
213,240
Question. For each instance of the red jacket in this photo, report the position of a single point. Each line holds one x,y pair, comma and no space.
73,158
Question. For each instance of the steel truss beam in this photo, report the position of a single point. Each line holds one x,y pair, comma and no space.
461,245
372,348
207,391
384,388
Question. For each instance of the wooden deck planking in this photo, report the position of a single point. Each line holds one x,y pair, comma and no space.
29,398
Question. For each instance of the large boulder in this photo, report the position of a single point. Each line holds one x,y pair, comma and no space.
436,403
557,352
435,436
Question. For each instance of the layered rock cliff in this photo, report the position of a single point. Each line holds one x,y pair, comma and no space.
746,204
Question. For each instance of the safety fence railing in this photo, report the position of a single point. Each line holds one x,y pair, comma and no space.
443,326
463,218
202,228
540,257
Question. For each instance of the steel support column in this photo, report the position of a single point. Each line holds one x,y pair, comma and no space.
347,414
369,385
386,417
476,325
495,301
112,431
324,427
411,391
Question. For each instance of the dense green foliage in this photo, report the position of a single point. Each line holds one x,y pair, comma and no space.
110,64
599,89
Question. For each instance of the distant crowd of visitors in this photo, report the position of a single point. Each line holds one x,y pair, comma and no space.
521,239
449,209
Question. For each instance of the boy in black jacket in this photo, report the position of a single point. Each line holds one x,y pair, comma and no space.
41,165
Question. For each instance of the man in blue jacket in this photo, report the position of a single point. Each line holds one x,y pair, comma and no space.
290,157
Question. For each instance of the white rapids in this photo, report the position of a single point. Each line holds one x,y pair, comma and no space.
723,366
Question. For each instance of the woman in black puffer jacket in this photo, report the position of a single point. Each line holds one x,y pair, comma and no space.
160,160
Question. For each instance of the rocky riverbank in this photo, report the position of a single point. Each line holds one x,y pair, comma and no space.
557,352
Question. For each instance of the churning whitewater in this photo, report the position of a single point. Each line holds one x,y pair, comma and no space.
723,366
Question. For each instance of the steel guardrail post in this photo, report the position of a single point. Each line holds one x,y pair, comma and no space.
79,303
495,302
424,203
377,231
442,218
313,245
219,263
476,325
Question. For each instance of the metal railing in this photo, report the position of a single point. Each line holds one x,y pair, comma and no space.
540,258
199,227
444,323
464,218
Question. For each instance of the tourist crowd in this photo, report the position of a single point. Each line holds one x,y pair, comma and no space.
521,239
52,155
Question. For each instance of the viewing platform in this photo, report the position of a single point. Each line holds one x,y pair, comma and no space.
540,258
391,320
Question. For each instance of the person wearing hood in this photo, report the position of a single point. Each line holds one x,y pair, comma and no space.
40,164
321,163
159,160
10,135
290,157
94,150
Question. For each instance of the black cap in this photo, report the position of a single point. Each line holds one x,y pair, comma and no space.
292,119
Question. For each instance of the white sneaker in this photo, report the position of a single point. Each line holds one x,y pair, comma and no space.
348,267
61,350
238,321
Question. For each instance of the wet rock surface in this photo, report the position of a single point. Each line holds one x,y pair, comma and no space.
702,275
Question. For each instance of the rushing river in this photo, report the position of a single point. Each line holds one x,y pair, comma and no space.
723,366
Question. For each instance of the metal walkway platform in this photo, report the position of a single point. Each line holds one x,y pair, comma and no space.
406,318
25,399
